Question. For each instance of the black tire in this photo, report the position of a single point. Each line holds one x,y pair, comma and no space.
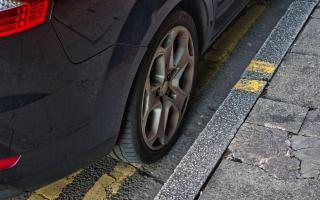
131,146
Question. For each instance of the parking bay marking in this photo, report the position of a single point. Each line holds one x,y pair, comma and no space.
53,190
109,184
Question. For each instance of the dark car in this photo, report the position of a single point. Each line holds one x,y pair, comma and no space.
83,78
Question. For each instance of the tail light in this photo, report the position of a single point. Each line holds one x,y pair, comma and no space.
7,163
20,15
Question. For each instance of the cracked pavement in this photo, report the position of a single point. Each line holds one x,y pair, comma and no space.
276,152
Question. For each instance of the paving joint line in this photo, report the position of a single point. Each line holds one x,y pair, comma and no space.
203,156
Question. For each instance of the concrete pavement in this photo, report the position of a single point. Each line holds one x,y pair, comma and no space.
276,152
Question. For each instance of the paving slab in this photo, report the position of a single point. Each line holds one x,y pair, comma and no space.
311,126
297,81
266,148
298,65
238,181
307,150
316,13
309,40
278,115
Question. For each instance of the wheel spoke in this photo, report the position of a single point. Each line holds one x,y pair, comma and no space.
185,59
151,140
151,101
179,98
159,124
177,76
163,124
181,81
166,115
158,71
183,56
151,123
173,113
167,48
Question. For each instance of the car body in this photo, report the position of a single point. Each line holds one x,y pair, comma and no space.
65,83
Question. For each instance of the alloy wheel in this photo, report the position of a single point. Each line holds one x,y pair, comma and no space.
167,88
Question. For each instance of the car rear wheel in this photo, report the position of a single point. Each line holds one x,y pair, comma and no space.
161,92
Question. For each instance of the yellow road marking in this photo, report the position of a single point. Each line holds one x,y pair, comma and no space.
227,42
121,172
250,85
261,67
53,190
101,188
109,184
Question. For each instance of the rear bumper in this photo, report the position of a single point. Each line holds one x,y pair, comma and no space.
47,164
54,135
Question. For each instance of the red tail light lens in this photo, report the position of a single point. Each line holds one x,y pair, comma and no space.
20,15
7,163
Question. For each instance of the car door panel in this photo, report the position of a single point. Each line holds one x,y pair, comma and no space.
225,12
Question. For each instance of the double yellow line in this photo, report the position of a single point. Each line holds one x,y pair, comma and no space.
106,186
251,85
53,190
109,184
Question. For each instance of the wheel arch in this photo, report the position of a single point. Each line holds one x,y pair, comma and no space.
147,16
201,16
